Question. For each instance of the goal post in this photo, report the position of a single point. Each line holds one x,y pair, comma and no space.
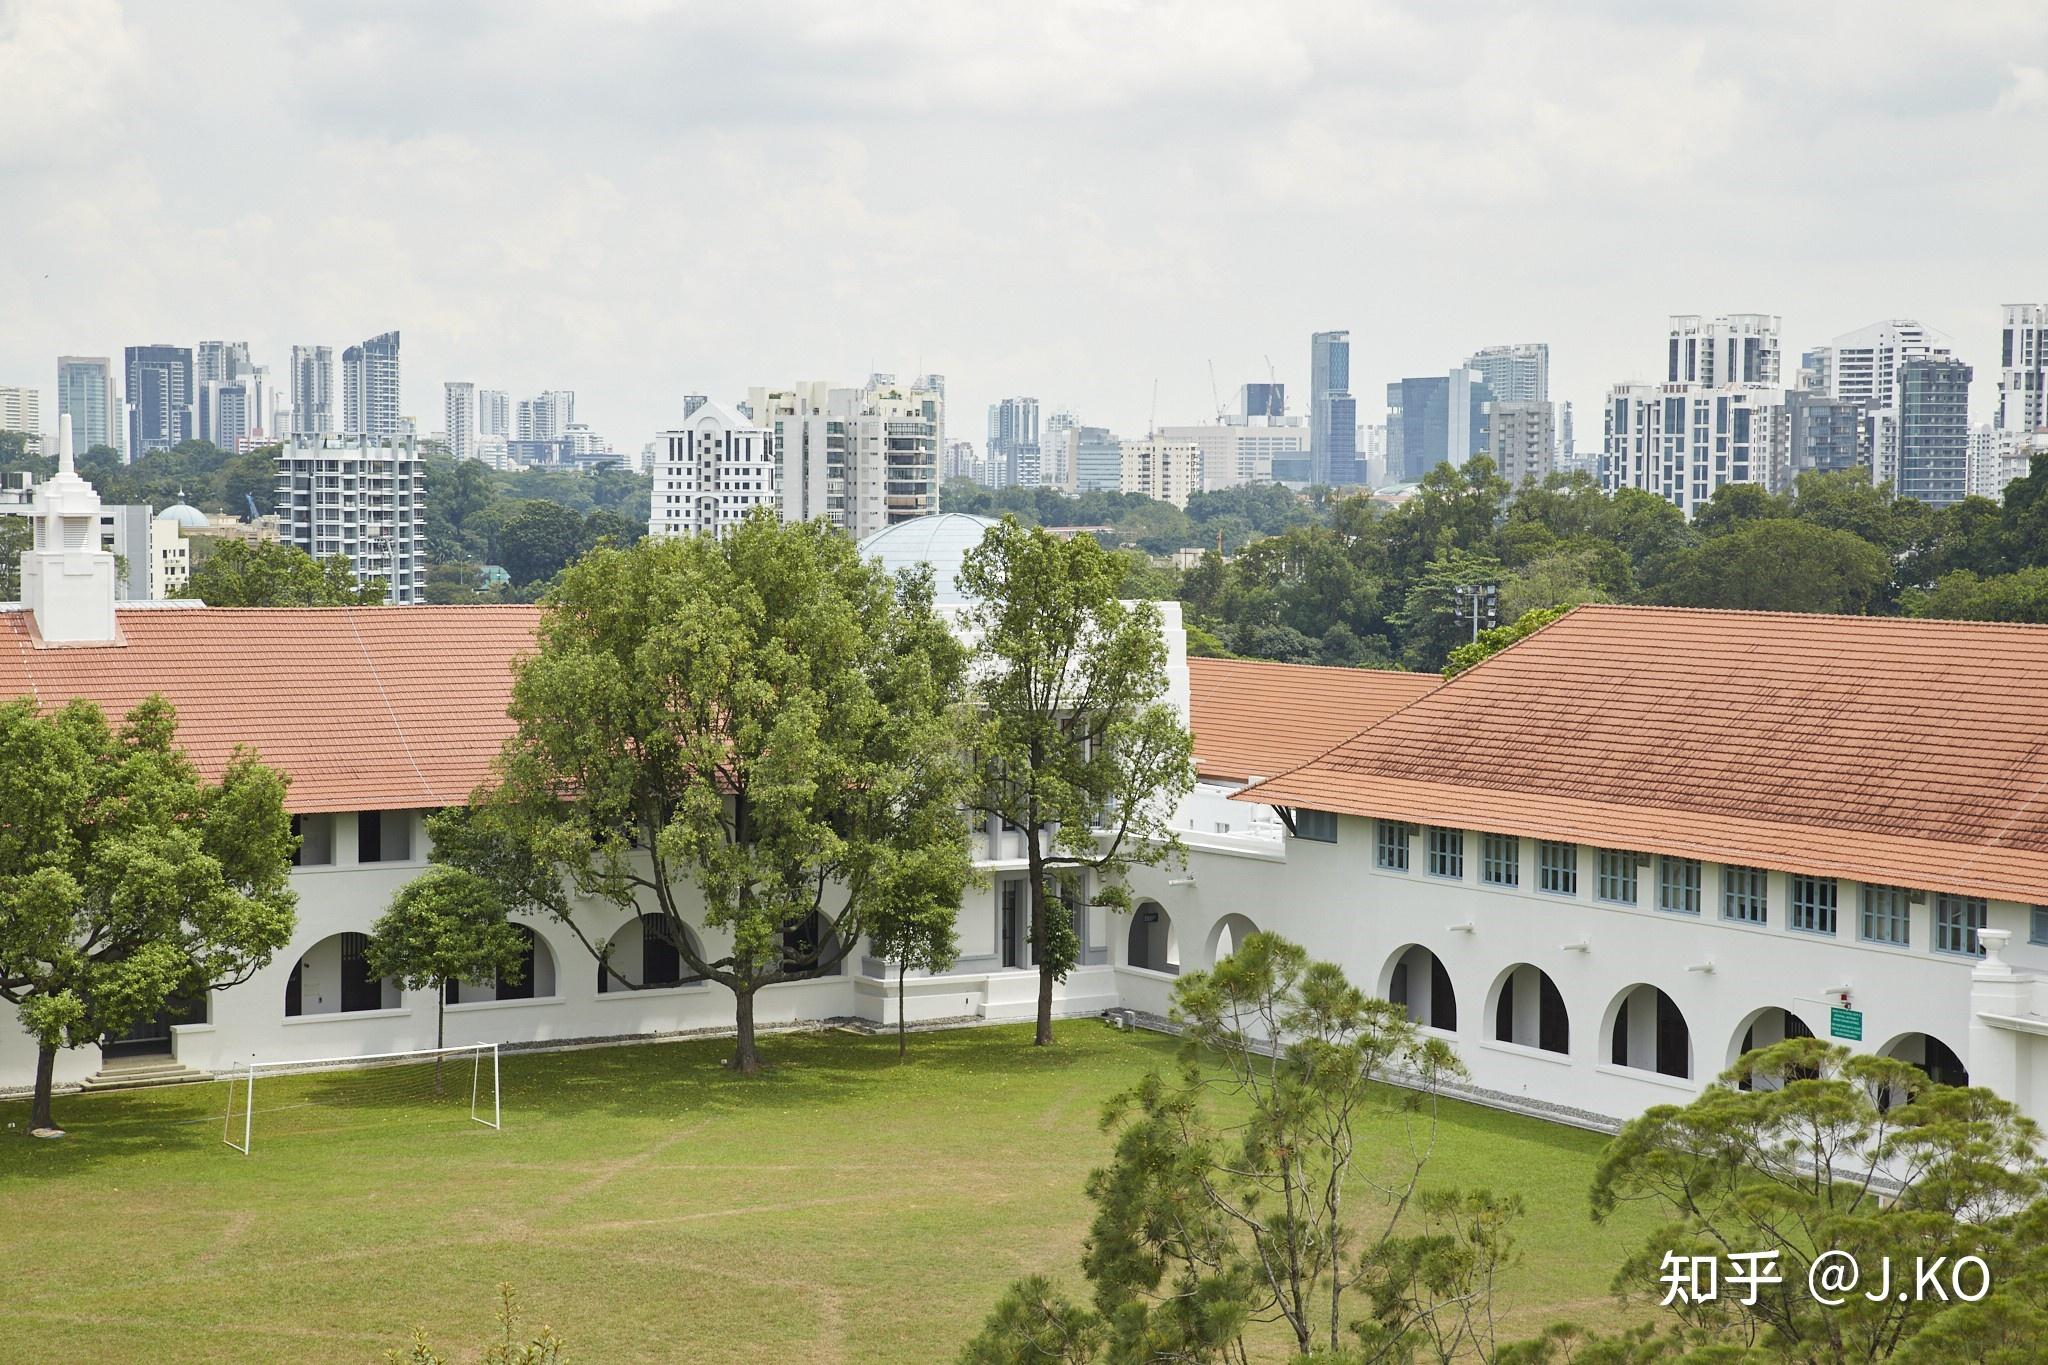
326,1094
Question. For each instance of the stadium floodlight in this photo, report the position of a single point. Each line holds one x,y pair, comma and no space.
378,1087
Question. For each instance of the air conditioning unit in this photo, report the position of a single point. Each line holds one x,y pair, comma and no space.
1916,898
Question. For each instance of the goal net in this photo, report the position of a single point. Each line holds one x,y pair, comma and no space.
389,1090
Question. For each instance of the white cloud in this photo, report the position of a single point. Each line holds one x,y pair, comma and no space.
640,199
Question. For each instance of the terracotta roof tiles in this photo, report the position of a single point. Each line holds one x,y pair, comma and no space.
1255,719
365,708
1885,750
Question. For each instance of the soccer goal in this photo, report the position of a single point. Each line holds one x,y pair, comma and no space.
377,1090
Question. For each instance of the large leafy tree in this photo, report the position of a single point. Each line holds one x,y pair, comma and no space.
1076,742
448,924
1778,564
237,573
126,881
765,721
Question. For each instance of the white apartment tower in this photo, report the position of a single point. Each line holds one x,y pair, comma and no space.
312,391
2023,368
863,459
459,413
1863,365
370,389
1164,470
360,498
21,409
1737,348
710,473
1519,373
1718,418
546,418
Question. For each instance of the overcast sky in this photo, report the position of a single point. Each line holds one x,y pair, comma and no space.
637,199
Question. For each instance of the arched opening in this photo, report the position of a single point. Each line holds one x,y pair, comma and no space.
333,977
1417,981
645,954
810,941
1154,945
1528,1010
535,977
1771,1024
1230,931
1931,1055
1649,1033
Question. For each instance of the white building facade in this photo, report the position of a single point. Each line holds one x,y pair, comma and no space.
1161,469
710,473
2023,368
360,498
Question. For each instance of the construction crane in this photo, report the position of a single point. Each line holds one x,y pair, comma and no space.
1215,394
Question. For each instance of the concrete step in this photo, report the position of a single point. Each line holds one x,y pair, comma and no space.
139,1075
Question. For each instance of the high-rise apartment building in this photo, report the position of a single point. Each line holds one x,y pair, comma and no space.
1522,439
545,418
358,497
370,388
710,473
87,394
1014,457
862,459
1816,370
2023,368
1683,441
312,391
1053,454
1932,451
1333,412
1738,348
1515,374
459,415
1432,419
1863,366
493,412
220,360
961,462
1718,418
158,382
231,395
1161,469
1823,434
21,409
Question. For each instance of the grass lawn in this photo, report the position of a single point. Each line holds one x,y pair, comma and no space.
647,1205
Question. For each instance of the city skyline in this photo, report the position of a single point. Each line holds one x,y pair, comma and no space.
1373,157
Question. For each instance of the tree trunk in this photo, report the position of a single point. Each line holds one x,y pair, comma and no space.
745,1059
440,1031
902,1024
46,1073
1044,1038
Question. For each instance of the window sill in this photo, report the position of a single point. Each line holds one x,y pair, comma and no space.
469,1006
342,1016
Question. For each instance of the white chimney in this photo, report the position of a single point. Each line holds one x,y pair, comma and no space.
67,577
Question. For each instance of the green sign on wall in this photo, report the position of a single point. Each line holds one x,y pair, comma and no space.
1845,1024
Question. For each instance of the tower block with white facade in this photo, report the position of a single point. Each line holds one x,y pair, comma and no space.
67,577
710,473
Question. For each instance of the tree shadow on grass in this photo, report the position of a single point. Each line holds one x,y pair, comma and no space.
668,1081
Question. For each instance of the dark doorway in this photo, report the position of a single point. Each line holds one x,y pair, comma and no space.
359,990
151,1037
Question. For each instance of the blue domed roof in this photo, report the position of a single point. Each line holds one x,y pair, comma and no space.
941,540
188,517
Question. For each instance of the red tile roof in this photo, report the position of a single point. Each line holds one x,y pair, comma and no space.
366,708
1256,719
1893,751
